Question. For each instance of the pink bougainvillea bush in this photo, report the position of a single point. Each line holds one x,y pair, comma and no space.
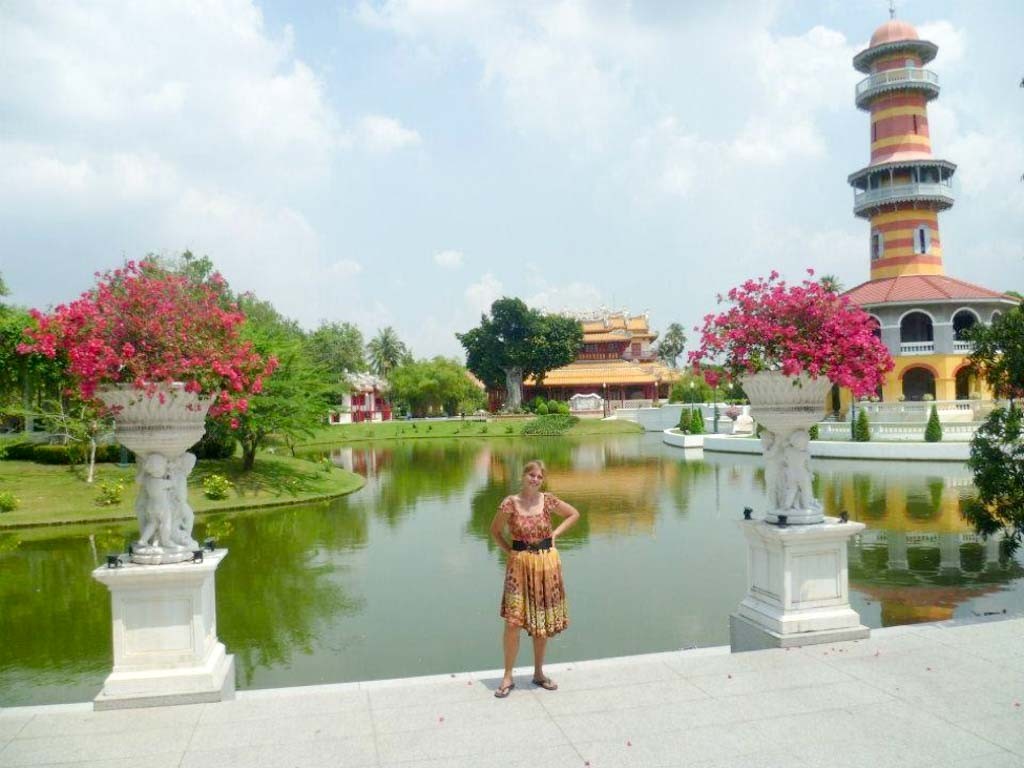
796,329
144,326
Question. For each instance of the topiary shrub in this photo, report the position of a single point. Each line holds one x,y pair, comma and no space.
685,420
542,409
813,432
59,454
553,424
563,408
216,487
696,422
533,404
8,501
862,429
21,451
933,432
553,406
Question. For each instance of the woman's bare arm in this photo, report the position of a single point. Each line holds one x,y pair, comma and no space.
498,529
569,515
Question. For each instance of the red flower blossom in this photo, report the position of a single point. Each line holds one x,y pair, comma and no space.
144,326
796,329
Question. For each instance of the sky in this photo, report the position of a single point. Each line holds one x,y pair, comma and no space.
407,162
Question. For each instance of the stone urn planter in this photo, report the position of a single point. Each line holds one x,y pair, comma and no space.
163,603
159,429
787,407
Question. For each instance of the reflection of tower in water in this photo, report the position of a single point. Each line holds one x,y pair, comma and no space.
918,558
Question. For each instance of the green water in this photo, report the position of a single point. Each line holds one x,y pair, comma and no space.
401,578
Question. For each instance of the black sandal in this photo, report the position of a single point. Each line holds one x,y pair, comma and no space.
504,691
546,683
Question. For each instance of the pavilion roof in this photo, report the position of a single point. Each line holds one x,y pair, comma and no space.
906,288
597,372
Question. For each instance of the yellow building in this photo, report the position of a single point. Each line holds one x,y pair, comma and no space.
618,362
921,312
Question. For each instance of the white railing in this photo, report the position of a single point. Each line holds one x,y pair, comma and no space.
917,411
963,346
891,77
897,432
917,347
865,197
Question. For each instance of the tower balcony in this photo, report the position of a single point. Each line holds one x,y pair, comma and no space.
938,195
905,78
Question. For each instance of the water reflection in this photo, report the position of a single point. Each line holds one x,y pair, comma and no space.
401,578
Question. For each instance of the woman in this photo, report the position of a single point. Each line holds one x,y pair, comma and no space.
534,595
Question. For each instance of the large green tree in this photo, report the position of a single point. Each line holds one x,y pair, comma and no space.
295,399
386,352
27,382
338,348
515,342
998,354
997,449
672,344
429,386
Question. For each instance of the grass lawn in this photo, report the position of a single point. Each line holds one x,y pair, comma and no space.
412,430
50,495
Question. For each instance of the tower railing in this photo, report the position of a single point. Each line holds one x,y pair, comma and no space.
892,79
941,191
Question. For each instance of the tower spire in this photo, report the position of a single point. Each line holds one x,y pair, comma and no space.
892,9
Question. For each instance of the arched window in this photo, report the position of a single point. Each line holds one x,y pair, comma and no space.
918,382
922,239
877,245
964,384
916,327
963,320
995,315
876,327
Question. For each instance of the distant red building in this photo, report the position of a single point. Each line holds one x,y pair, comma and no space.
366,401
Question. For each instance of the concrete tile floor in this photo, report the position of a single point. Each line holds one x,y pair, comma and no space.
940,695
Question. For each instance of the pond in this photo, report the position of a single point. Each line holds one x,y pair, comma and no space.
402,579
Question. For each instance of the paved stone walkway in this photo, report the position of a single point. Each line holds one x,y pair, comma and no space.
936,695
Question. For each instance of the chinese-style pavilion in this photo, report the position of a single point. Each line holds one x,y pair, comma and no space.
618,362
921,312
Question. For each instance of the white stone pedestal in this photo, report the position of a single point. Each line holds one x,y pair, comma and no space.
798,587
165,636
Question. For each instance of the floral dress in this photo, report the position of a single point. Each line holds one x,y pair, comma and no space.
534,594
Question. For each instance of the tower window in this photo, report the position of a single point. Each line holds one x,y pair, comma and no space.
874,131
922,239
877,245
915,123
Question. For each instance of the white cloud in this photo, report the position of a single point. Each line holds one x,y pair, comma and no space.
481,294
950,40
448,259
574,297
345,268
385,134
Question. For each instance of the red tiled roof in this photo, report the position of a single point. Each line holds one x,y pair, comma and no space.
919,288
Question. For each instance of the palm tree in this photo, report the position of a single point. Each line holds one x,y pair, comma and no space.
831,283
386,352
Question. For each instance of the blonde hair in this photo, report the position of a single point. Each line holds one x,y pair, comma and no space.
535,464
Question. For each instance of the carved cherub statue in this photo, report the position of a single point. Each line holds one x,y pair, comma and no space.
154,506
183,516
798,491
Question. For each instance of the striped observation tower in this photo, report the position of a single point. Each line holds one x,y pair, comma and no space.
904,187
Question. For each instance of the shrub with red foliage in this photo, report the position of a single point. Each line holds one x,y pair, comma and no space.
144,326
804,328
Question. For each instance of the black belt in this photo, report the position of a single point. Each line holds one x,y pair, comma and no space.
523,546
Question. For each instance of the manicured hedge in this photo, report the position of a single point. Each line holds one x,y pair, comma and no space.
553,424
77,453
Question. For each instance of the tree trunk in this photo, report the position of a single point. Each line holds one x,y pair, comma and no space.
92,460
248,454
514,388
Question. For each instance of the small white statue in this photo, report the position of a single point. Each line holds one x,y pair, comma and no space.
773,467
155,507
183,516
797,473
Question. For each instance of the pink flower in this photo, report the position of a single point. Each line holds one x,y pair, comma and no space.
796,329
144,325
